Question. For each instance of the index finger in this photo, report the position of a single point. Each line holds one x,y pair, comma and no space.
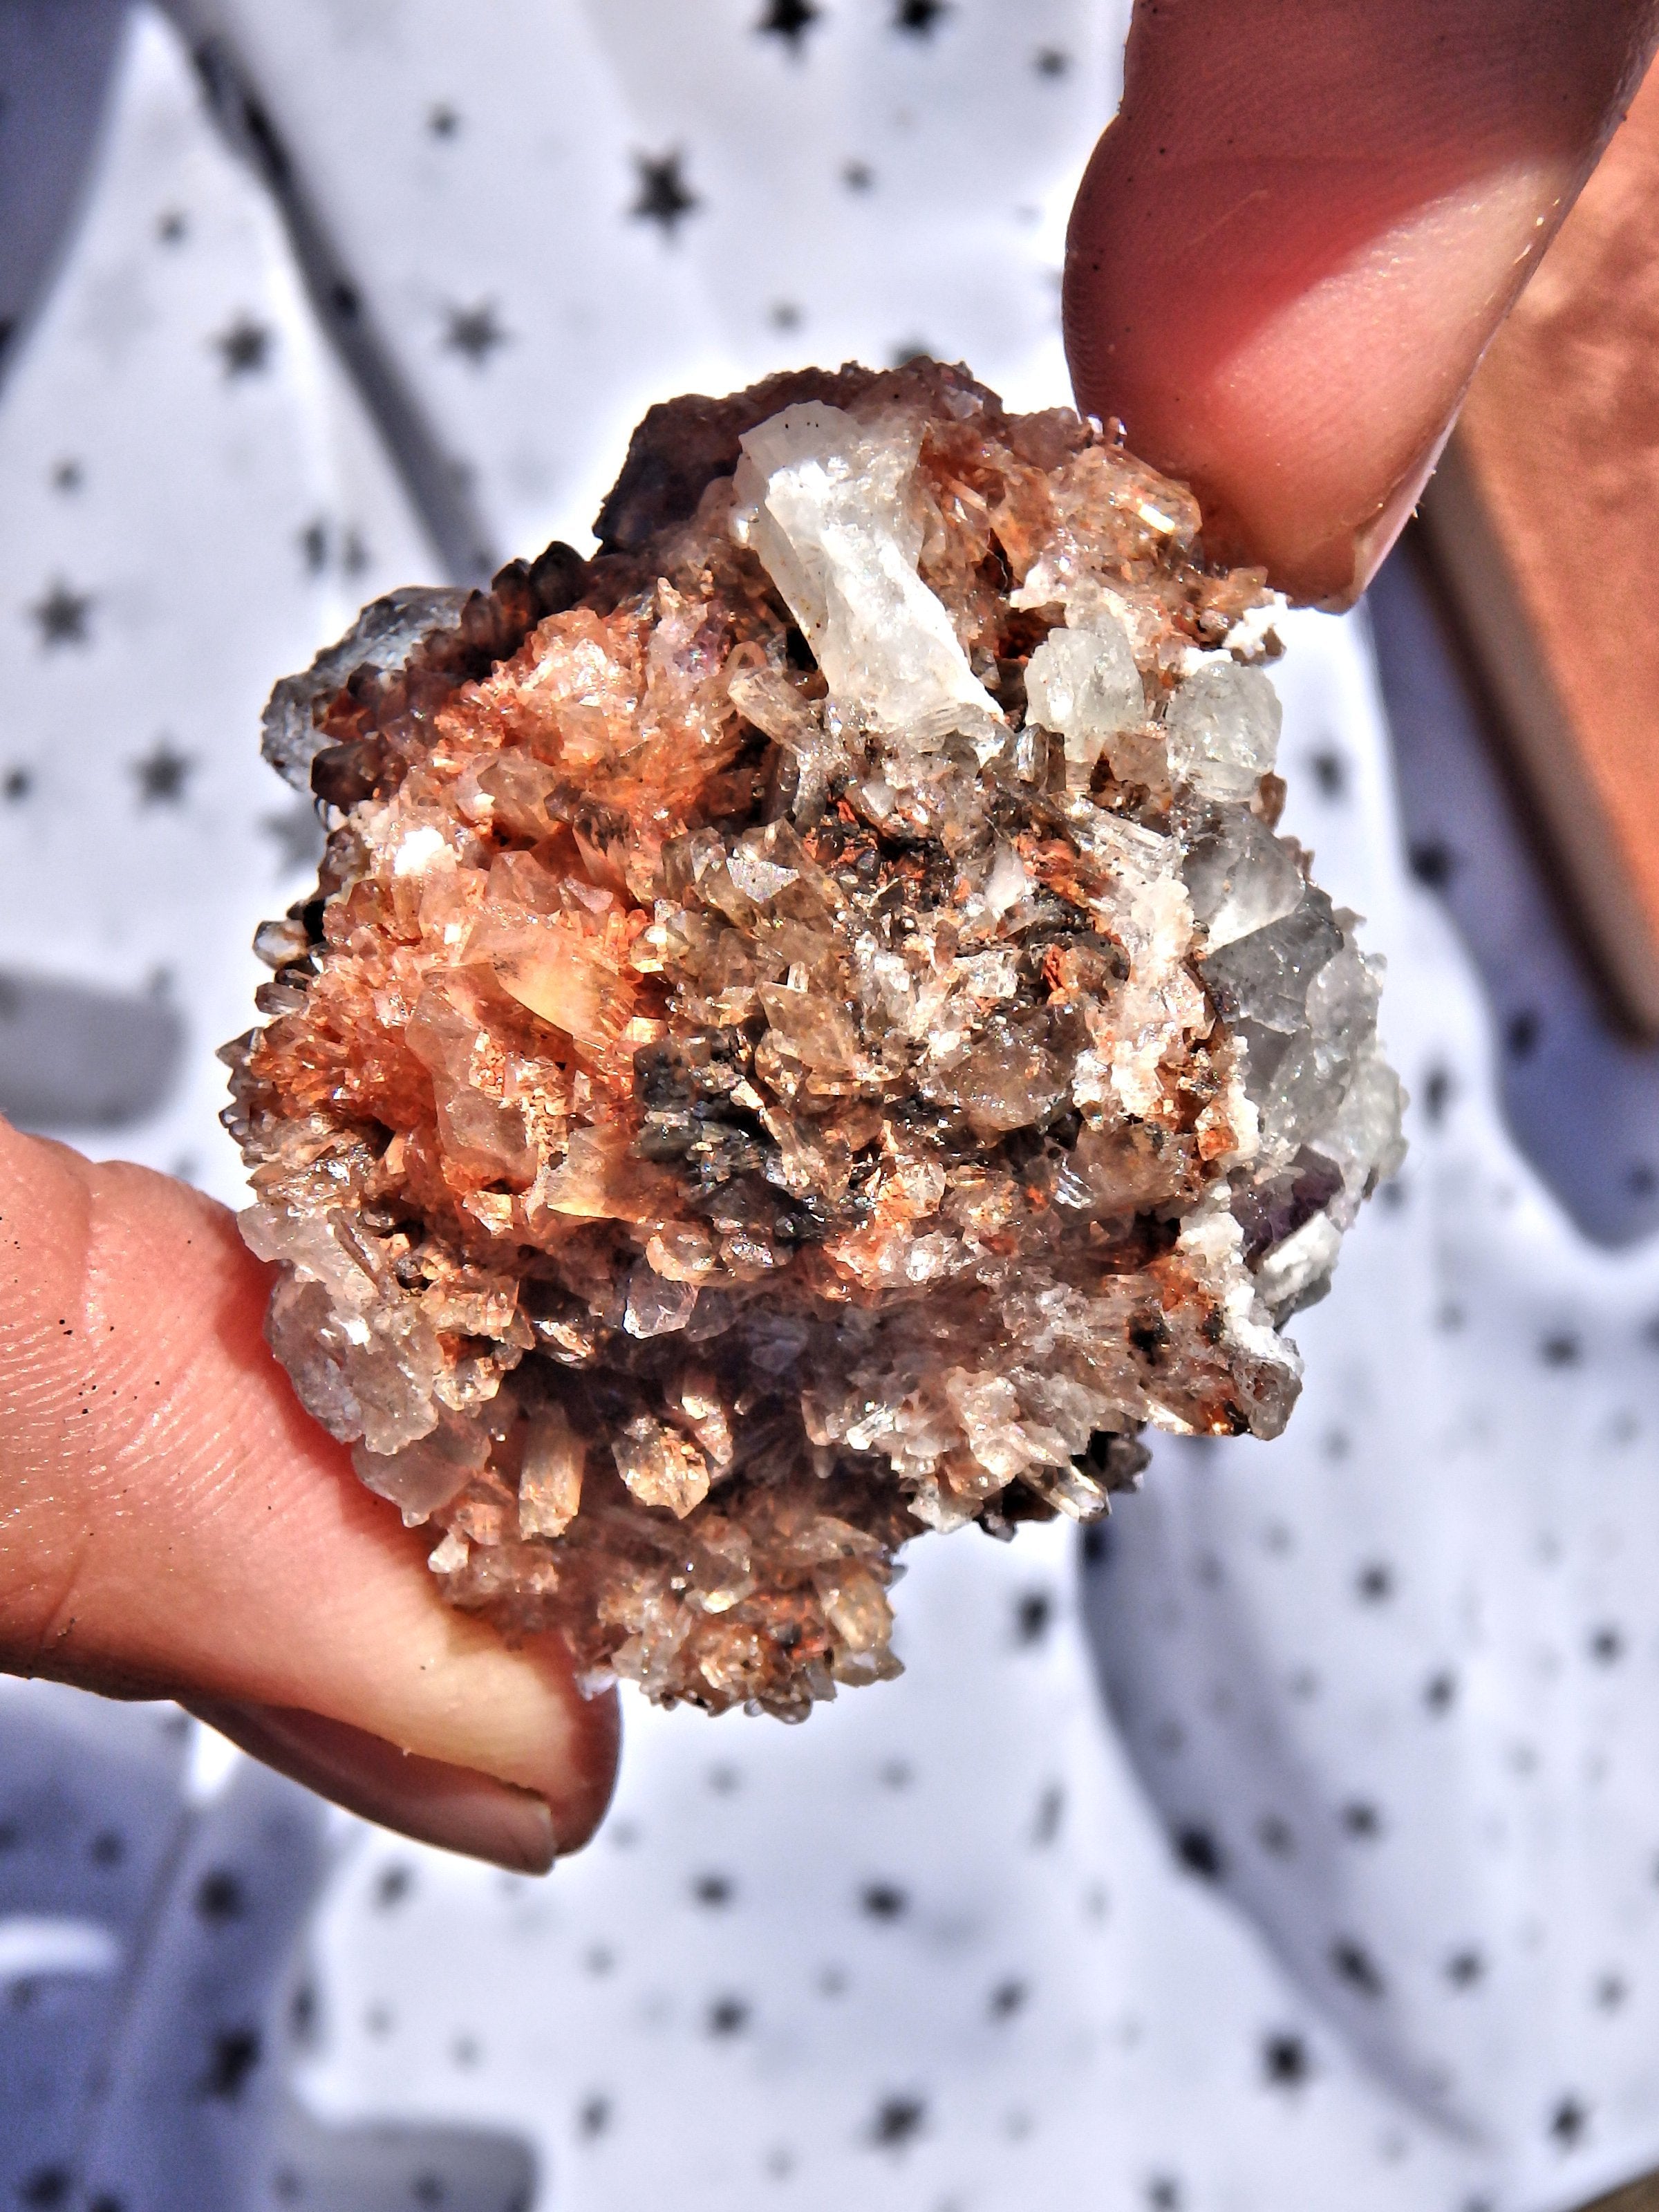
1308,219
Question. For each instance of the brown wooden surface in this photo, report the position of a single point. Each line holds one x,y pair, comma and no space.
1640,2196
1544,522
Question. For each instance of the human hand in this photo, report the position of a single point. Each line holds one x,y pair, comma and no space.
1293,244
172,1524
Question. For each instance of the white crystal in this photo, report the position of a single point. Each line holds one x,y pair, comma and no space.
1083,685
1240,877
824,501
1222,726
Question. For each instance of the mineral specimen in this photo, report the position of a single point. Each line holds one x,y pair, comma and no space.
806,1031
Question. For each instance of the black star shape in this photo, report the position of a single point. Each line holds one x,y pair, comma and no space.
918,17
788,20
1352,1963
442,121
1284,2061
1199,1853
1568,2122
897,2120
244,347
163,774
665,196
727,2016
474,332
63,616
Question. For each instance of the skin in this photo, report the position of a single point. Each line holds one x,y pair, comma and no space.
1293,244
1285,258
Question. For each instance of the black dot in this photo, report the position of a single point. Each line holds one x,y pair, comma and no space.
1433,862
1096,1544
1561,1349
1284,2061
594,2116
46,2186
1521,1034
885,1900
232,2056
1032,1616
1352,1963
1008,1998
898,2121
1051,61
713,1889
1439,1691
1050,1811
1374,1583
1465,1968
788,22
1330,773
1568,2121
108,1848
427,2188
393,1885
1610,1991
1642,1179
219,1895
15,785
1361,1819
1437,1096
1607,1645
728,2015
858,176
1199,1853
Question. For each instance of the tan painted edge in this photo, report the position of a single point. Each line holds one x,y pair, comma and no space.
1469,562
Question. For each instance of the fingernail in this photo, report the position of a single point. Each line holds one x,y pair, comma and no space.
451,1807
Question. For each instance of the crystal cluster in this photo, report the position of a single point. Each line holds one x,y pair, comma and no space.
806,1031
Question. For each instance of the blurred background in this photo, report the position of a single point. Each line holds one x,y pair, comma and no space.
1293,1840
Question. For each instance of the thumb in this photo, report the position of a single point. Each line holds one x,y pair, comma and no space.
172,1524
1308,219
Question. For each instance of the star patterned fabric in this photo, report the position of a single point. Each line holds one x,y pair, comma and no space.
1290,1841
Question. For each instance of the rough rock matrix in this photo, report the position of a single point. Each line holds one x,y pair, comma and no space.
806,1032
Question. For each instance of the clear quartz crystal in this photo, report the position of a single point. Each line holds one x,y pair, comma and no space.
1222,728
806,1033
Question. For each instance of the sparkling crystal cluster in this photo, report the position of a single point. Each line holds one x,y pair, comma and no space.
806,1031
